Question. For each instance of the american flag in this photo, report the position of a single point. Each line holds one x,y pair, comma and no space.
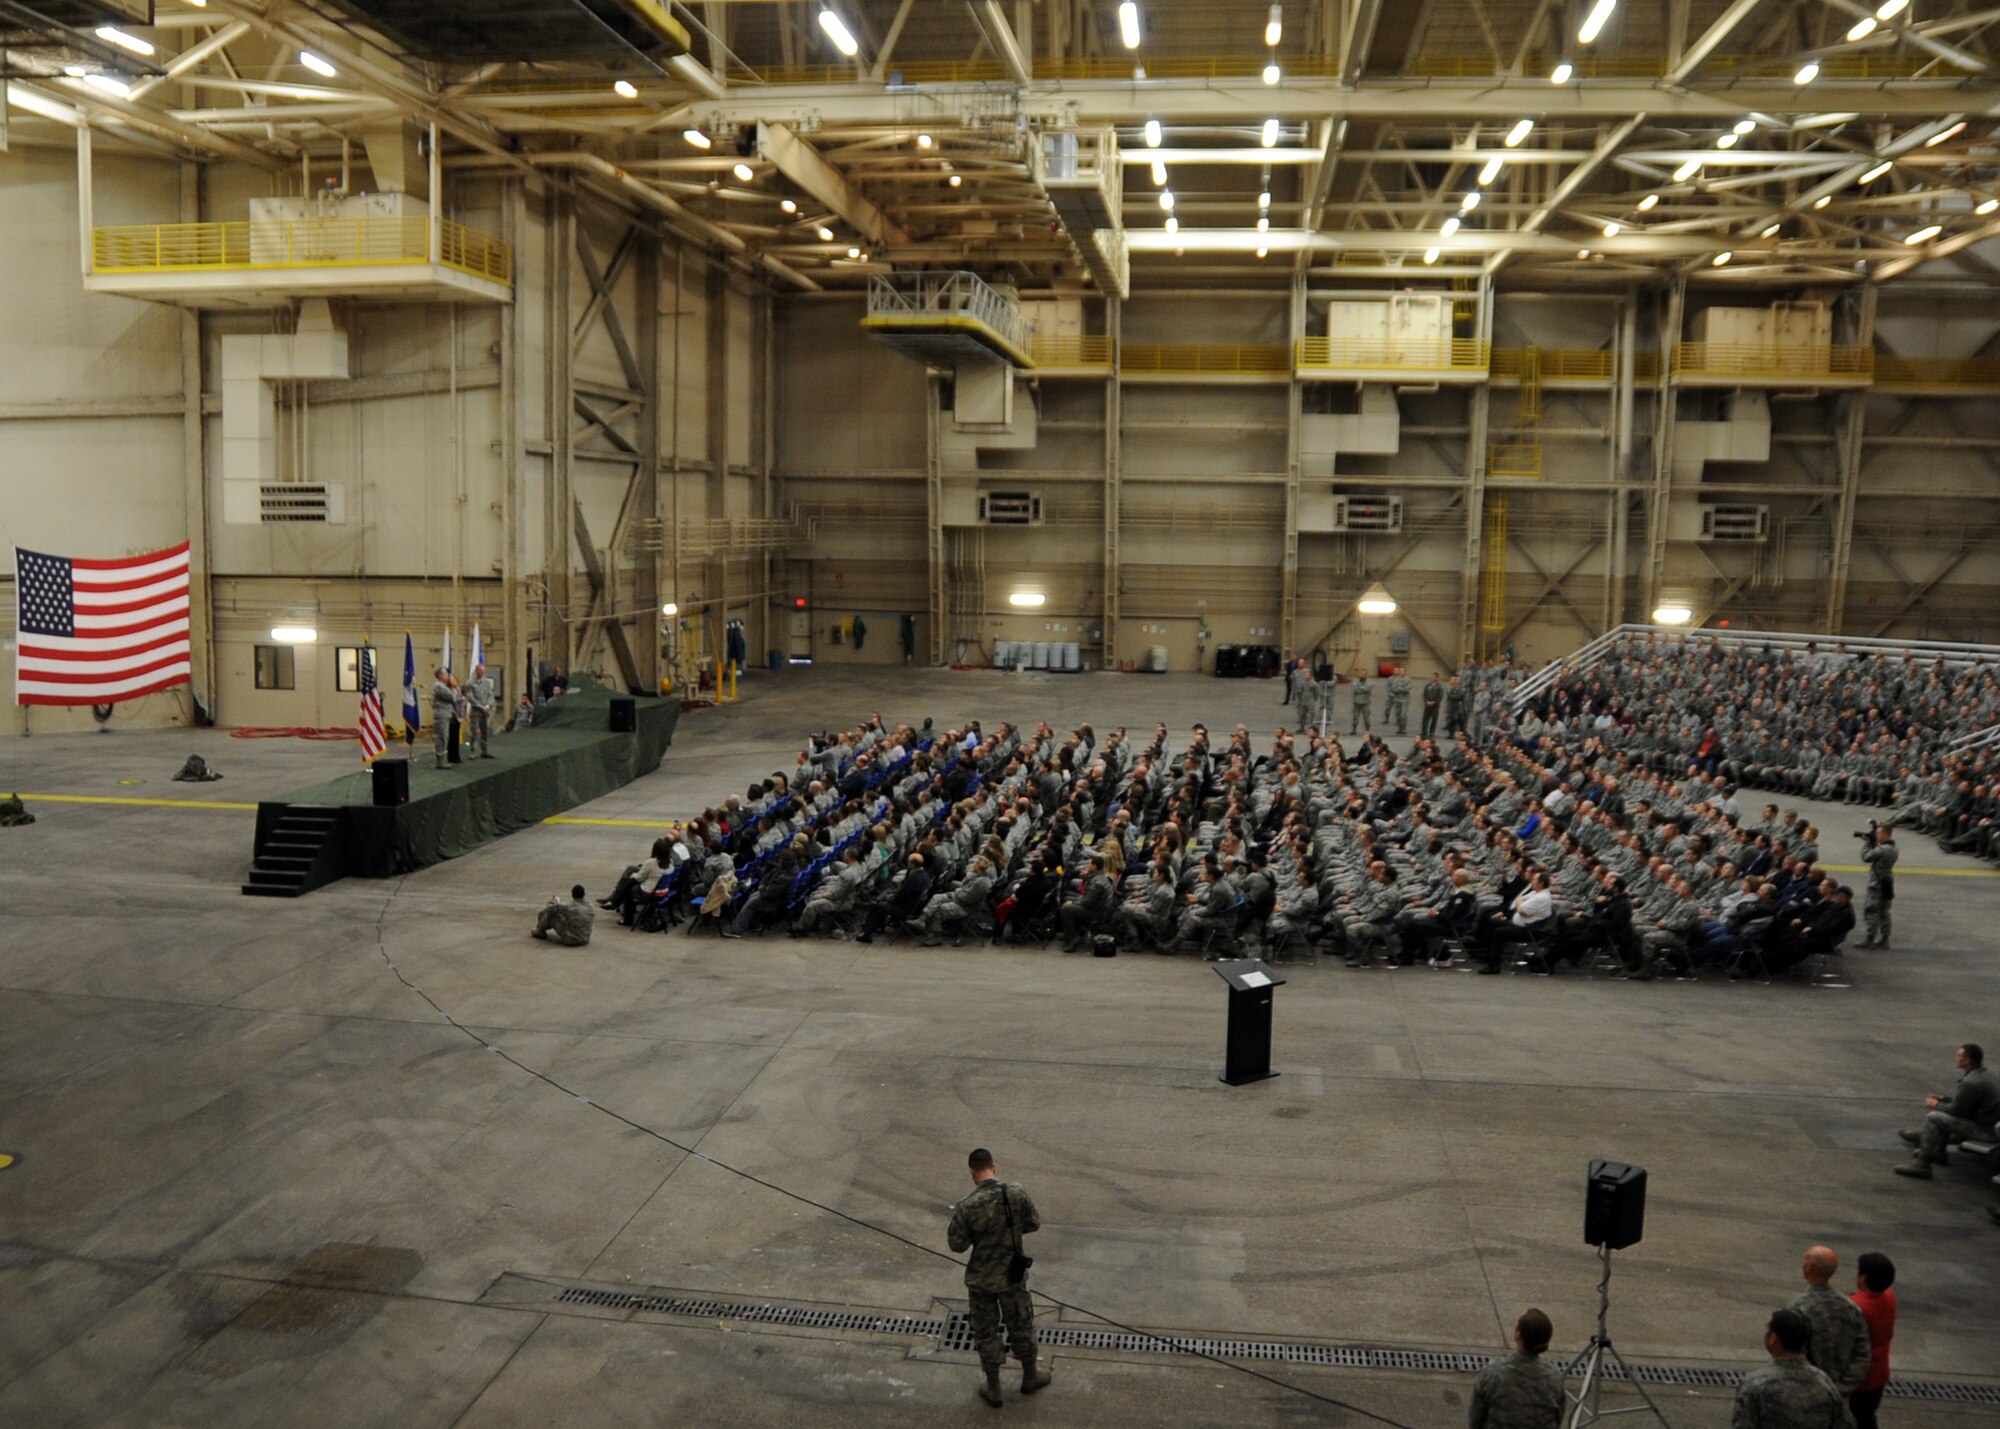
96,632
374,739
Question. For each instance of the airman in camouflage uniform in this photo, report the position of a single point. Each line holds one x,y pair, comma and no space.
1788,1393
13,813
1880,856
1361,706
1839,1347
1520,1392
1397,705
567,923
990,1223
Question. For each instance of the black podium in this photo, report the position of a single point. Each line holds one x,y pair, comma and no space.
1251,982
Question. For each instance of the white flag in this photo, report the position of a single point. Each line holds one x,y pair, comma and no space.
446,661
478,647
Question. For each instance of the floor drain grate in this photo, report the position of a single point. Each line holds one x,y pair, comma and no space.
955,1333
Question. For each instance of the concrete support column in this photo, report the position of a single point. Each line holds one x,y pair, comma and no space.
1850,423
1114,489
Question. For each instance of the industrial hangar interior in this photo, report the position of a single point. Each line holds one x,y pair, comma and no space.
1221,404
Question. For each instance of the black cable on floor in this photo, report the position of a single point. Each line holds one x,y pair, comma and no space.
1177,1346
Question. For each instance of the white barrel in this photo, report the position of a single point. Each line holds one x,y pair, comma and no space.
1041,659
1156,658
1072,655
1003,654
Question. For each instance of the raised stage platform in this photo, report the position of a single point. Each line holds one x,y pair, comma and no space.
569,757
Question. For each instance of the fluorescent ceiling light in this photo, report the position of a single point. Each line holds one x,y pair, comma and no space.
1646,203
1987,206
1672,615
1594,21
1492,170
110,84
1521,130
1376,600
1469,202
1027,599
1952,132
1770,232
1152,133
1721,259
837,31
924,141
1822,201
294,634
1128,24
1745,126
1159,174
956,181
1263,252
1264,199
1270,134
786,205
625,89
854,252
1173,224
1806,73
1272,74
1726,141
697,138
124,41
1167,200
1925,234
1274,28
1687,170
1561,73
670,609
1875,173
824,233
1448,227
1263,224
744,172
1862,28
1581,254
317,65
1611,229
1890,9
1430,255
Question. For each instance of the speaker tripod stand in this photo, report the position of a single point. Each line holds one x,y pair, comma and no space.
1586,1401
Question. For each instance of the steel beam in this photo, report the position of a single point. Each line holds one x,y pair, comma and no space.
798,161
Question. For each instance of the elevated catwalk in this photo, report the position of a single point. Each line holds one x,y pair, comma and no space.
569,757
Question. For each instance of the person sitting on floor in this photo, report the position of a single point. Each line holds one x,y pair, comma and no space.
567,923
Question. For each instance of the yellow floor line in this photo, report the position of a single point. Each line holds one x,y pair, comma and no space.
29,799
612,823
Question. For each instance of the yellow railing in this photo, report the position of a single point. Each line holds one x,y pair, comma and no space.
1090,350
300,243
1458,354
1919,372
1082,67
1521,460
1558,364
1853,65
1774,360
1215,359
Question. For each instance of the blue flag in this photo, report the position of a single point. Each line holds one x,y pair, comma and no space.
411,712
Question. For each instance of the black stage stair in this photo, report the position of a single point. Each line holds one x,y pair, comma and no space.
305,849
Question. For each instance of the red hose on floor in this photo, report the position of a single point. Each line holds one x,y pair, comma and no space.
296,731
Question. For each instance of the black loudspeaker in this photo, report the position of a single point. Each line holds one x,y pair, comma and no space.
392,781
624,714
1614,1205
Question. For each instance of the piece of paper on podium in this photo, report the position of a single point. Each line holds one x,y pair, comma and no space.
1256,979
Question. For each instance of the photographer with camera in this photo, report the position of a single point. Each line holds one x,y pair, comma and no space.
990,1223
1880,854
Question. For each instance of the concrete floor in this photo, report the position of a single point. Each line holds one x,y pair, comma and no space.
263,1182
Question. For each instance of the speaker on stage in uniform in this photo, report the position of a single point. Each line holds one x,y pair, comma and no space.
392,782
624,714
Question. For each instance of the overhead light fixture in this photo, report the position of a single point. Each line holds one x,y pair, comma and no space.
744,173
110,84
1611,230
1521,130
1593,23
1581,254
1027,599
1987,206
1263,252
1875,173
1270,134
1721,259
1272,74
1274,28
786,205
1492,170
1862,28
1152,133
1770,232
1263,223
825,234
1745,126
697,138
1173,224
317,65
118,37
1824,121
1822,201
1449,226
1951,133
294,634
1725,141
1561,73
625,89
1376,600
1430,255
837,31
1167,200
924,141
1159,174
1672,613
1890,9
955,180
1806,73
1687,170
1926,233
1264,199
670,608
1128,24
1646,204
1470,201
854,252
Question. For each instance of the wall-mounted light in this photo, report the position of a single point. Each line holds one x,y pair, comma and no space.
624,89
294,634
670,609
1027,599
1672,613
1376,600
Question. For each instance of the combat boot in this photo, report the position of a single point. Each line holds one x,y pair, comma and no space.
1033,1379
989,1387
